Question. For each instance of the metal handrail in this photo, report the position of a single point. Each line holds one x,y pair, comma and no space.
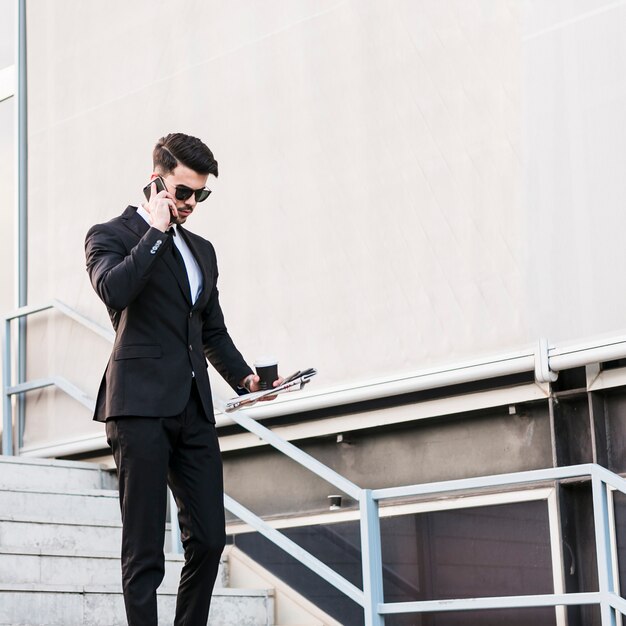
371,596
61,383
372,600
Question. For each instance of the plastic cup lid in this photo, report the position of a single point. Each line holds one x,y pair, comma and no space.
265,361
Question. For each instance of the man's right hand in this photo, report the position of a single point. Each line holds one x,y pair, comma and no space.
161,208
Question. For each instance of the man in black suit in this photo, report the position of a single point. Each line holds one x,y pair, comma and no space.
159,283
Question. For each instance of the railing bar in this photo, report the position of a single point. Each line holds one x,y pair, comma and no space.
615,481
304,459
66,310
501,602
24,311
87,323
371,559
39,383
614,554
603,548
618,603
497,480
58,381
74,392
292,548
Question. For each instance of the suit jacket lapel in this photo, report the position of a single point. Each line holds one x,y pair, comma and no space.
201,263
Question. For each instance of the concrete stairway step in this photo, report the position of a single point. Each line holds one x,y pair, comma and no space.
38,532
90,505
32,566
44,474
84,536
60,536
48,605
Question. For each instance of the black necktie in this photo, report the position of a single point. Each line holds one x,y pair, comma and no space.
179,258
176,252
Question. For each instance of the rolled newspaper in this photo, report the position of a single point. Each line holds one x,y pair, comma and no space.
295,382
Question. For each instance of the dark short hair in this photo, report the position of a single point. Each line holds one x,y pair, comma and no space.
178,148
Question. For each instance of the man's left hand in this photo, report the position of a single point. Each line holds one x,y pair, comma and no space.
254,385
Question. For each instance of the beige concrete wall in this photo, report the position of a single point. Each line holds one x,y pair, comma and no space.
389,172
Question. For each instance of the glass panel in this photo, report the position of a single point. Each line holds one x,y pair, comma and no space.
478,552
485,551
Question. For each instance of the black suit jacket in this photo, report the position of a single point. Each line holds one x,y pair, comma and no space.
161,339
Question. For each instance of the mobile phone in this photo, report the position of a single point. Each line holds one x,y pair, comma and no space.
160,186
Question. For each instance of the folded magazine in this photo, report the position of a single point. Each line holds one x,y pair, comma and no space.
295,382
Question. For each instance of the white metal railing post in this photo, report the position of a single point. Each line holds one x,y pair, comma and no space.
7,409
371,559
606,585
614,553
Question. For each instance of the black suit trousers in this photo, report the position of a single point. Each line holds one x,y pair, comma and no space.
150,453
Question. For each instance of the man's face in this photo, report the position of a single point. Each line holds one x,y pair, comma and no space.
183,177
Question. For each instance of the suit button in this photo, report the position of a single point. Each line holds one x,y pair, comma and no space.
190,315
190,347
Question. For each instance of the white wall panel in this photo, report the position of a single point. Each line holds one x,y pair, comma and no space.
574,138
402,184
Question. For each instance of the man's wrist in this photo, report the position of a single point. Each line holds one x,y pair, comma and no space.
246,382
160,227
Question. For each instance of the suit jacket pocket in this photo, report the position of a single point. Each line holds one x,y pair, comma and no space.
137,352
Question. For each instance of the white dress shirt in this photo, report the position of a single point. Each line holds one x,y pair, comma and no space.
194,274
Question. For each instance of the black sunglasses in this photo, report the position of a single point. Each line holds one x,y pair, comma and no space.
184,193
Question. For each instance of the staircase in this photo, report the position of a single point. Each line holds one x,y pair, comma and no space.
60,534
